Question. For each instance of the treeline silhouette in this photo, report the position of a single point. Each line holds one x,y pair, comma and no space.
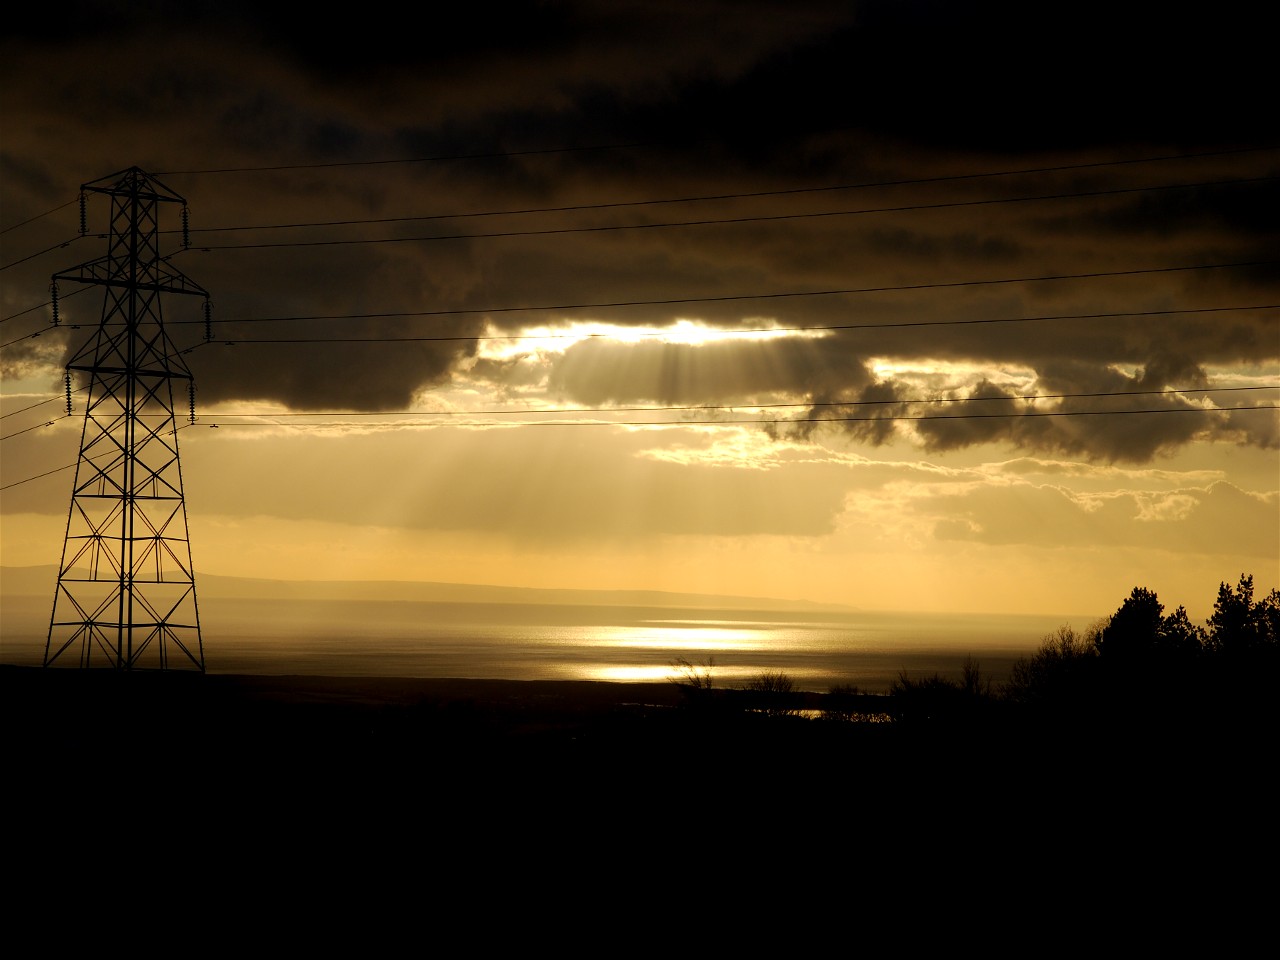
1139,665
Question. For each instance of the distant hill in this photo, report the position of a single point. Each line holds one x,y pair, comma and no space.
39,581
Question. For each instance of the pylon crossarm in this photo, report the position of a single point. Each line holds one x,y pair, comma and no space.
134,181
106,271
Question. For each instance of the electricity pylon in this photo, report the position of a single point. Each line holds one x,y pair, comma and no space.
126,593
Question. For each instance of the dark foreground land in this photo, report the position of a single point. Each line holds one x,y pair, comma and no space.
356,735
254,788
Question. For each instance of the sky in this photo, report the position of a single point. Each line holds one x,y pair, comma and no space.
900,305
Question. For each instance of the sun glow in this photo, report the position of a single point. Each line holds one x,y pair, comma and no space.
545,340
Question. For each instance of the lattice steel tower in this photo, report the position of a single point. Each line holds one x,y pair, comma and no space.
126,593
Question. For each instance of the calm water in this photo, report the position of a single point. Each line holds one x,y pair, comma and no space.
549,642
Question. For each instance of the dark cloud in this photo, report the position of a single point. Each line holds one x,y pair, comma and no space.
869,417
716,99
1093,412
989,414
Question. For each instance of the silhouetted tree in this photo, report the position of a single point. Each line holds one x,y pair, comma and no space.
1178,637
1239,626
1133,631
1141,648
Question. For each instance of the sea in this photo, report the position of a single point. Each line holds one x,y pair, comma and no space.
817,649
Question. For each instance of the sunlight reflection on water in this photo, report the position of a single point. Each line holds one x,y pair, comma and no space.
602,643
711,638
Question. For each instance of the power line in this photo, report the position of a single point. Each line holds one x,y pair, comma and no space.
690,199
817,328
69,466
47,423
38,216
724,422
729,298
41,253
712,197
38,476
436,159
41,332
676,408
760,218
625,146
55,397
773,420
756,421
648,408
23,313
917,181
576,208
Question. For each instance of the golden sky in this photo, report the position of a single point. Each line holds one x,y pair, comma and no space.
771,335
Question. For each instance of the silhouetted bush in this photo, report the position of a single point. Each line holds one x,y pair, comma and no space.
772,692
842,703
937,699
972,682
1062,673
695,681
